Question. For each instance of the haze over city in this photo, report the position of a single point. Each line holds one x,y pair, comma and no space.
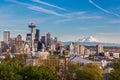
68,19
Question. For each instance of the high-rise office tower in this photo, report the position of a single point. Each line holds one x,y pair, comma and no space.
6,36
37,35
28,37
39,46
99,49
81,50
43,40
55,40
51,41
19,37
18,41
48,39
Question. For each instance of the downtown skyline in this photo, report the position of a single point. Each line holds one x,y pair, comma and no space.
68,20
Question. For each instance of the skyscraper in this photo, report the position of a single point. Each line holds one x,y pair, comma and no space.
39,46
81,50
37,35
43,40
18,41
99,49
48,39
55,40
28,38
6,36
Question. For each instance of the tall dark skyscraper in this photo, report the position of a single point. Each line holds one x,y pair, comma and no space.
37,35
28,37
55,40
39,47
43,40
48,39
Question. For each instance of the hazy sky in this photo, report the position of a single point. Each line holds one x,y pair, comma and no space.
67,19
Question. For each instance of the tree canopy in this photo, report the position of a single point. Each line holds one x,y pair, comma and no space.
115,74
13,69
38,73
89,72
9,70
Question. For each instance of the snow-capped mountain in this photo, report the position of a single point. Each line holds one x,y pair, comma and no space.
89,39
94,44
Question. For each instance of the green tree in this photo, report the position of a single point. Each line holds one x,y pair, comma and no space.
21,59
115,74
89,72
95,67
38,73
13,69
72,68
9,71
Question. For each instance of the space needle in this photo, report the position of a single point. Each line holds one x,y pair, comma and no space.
32,26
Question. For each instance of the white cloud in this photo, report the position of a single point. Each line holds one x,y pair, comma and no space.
111,34
37,8
18,2
90,17
76,13
78,18
102,9
106,34
114,22
13,30
111,37
45,3
63,20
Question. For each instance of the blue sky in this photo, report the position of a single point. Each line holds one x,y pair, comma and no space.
67,19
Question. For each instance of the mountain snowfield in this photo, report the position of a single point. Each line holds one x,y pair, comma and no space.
88,39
